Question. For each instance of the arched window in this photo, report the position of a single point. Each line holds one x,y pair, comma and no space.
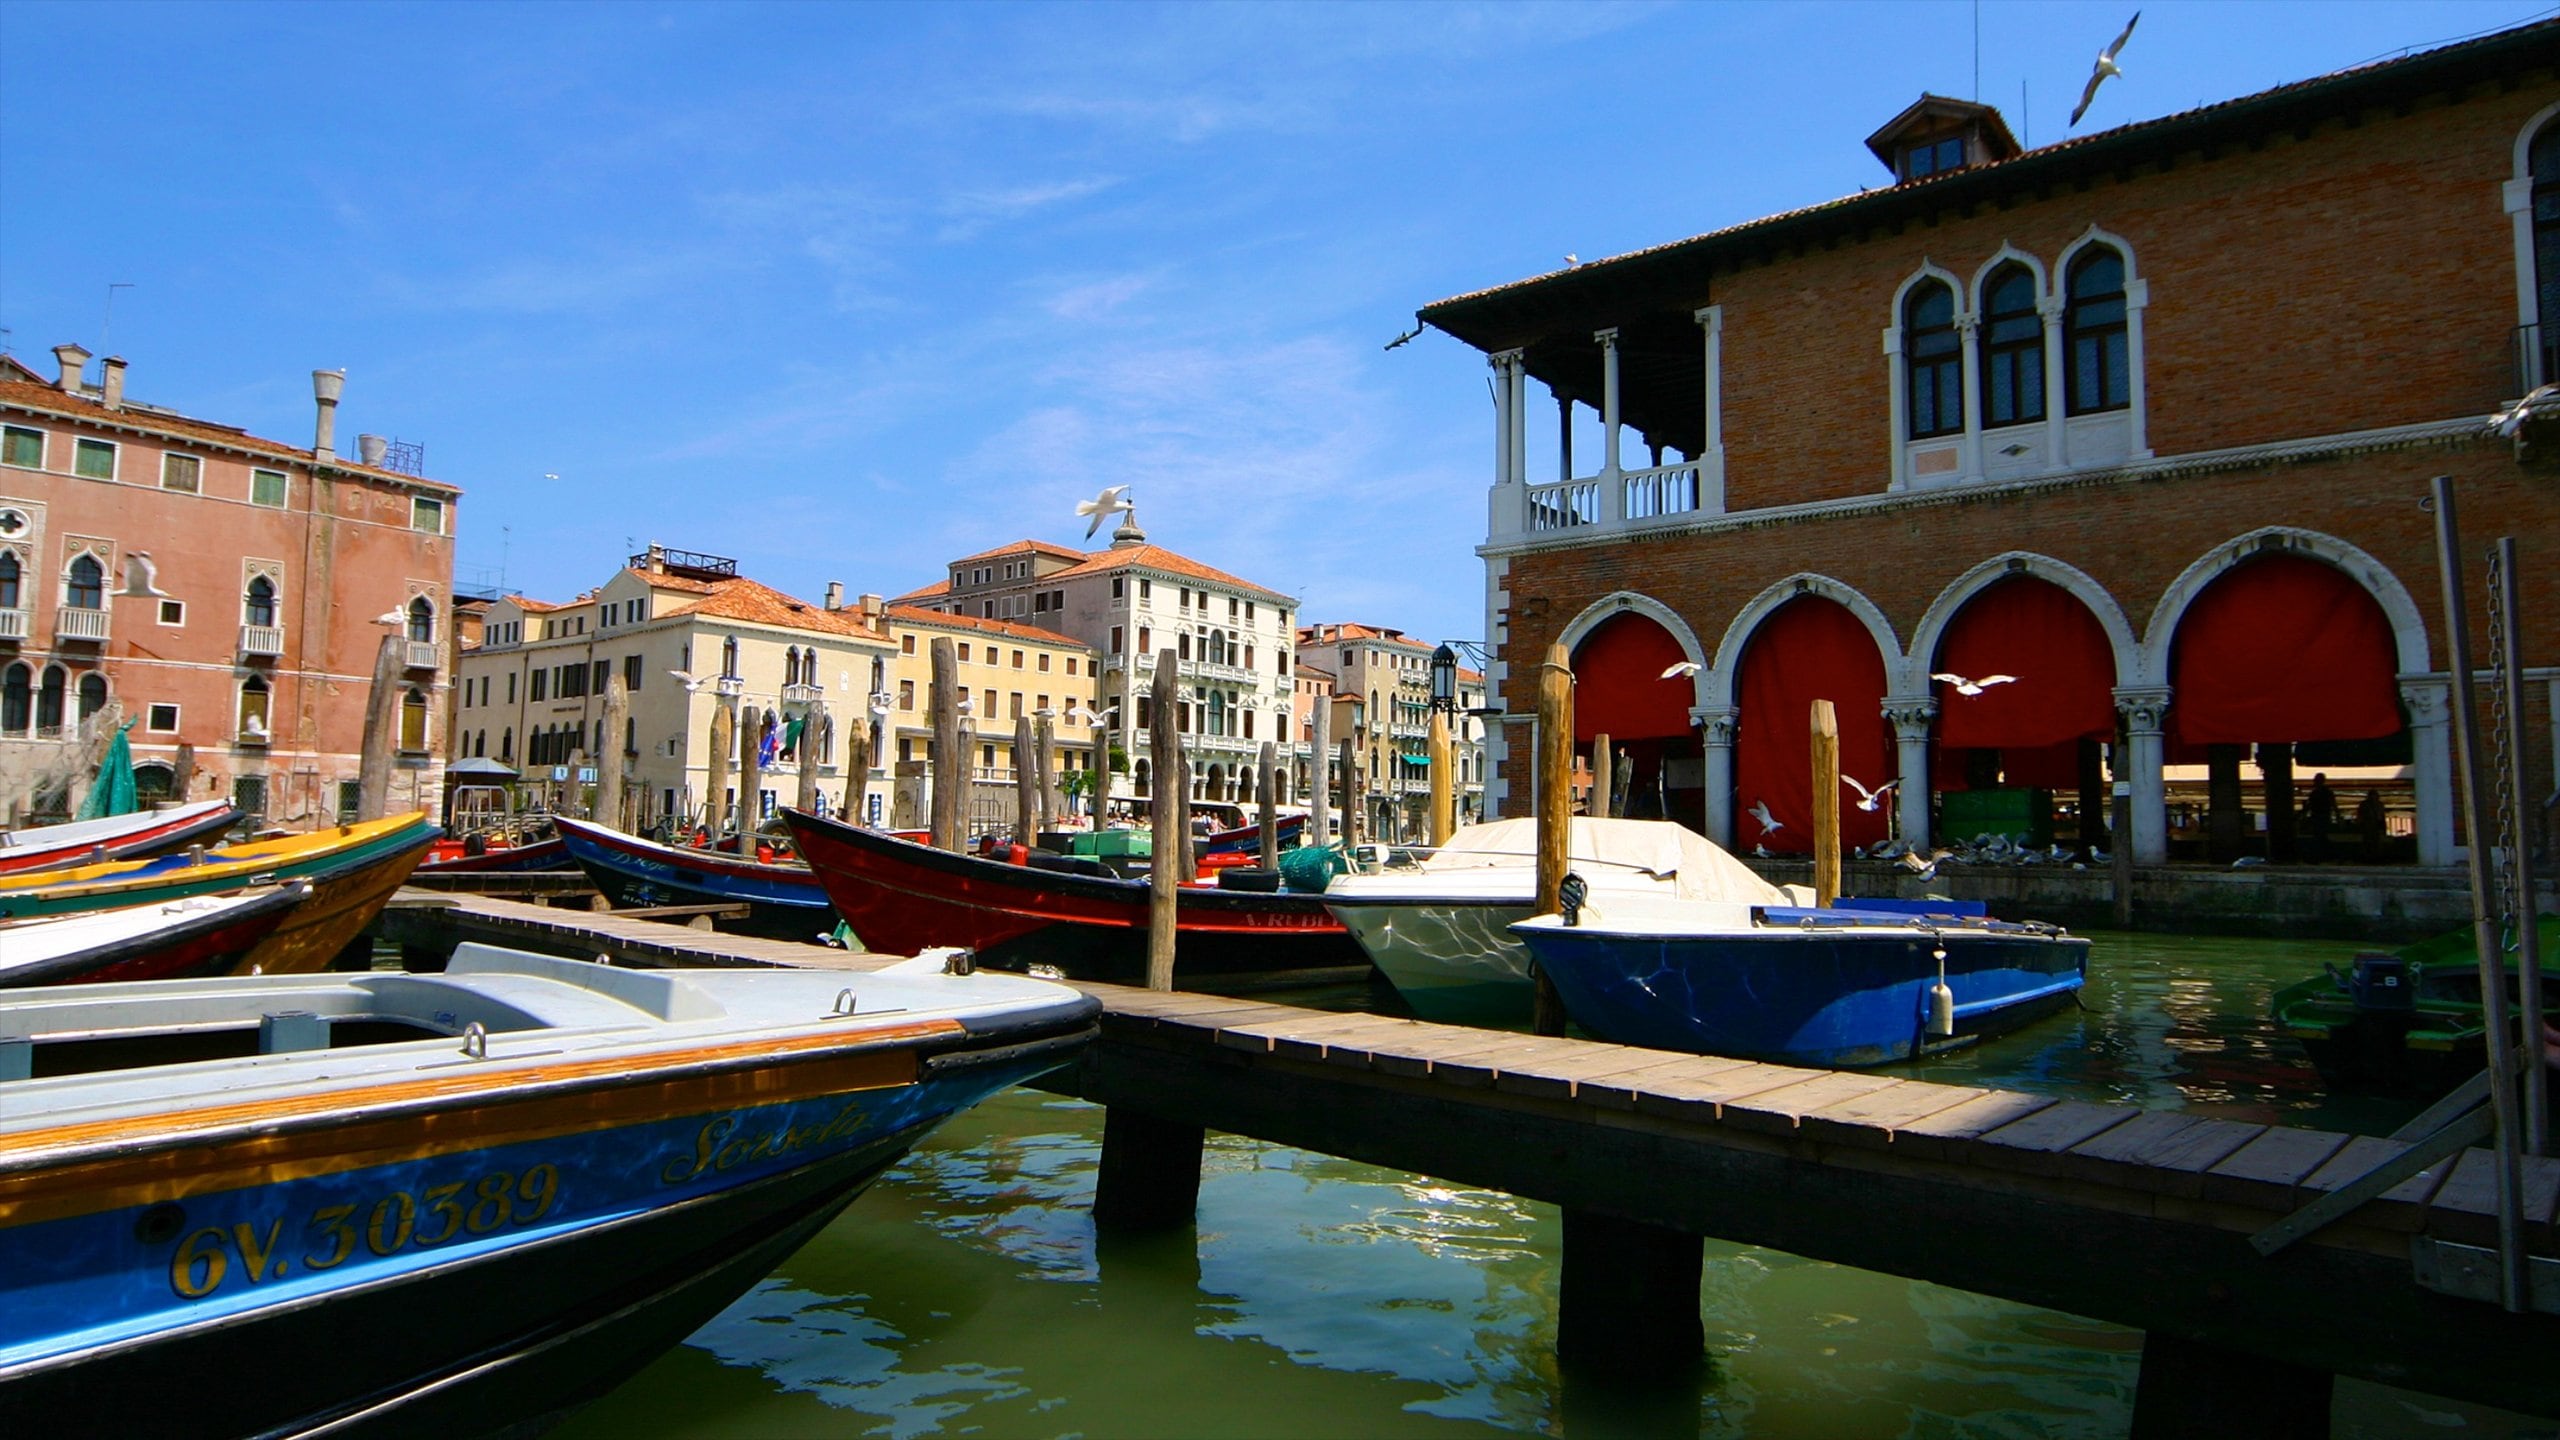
729,656
49,701
1217,712
9,582
2543,157
93,694
790,666
253,709
2096,370
2012,348
258,606
88,587
507,744
1934,360
422,619
15,697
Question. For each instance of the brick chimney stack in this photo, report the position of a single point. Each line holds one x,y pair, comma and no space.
325,388
73,359
111,390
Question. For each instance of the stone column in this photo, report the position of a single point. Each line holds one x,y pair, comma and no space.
1910,716
1608,399
1509,501
1716,728
2057,439
1564,436
1968,325
2144,710
2430,705
1711,447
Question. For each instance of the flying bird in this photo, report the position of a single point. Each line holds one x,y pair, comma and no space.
1406,337
1769,824
1869,799
1974,687
686,679
1572,259
393,618
2105,67
1110,502
2510,420
142,577
1683,670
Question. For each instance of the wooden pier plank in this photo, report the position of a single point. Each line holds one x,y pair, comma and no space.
1699,1093
1878,1116
2160,1150
1350,1044
1564,1077
2464,1209
1480,1068
2402,1207
1782,1110
2036,1142
2268,1171
1264,1030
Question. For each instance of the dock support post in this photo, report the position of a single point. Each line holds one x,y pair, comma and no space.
1150,1175
1555,816
1320,773
1604,778
1169,845
1628,1300
950,762
2193,1391
1826,803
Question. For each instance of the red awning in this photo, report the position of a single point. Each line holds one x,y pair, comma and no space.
2042,634
1811,649
2283,648
1618,689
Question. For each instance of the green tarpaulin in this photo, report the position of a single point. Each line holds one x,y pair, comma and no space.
113,792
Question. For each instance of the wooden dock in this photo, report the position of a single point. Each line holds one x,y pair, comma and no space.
2140,1217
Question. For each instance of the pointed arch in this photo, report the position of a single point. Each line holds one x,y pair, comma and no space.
1718,679
1912,677
1632,602
2408,626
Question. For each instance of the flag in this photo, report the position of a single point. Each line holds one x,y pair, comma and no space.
770,749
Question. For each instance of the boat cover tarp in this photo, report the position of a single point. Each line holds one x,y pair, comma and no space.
1698,868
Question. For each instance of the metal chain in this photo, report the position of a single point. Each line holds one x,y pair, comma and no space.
2505,835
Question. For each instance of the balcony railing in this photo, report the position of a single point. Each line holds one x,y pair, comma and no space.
802,694
266,640
1565,505
1628,497
77,622
425,655
732,686
13,624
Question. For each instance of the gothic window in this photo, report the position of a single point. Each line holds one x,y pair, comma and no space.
2012,348
2095,365
1934,359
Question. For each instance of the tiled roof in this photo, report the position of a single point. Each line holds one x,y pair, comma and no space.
672,582
917,615
757,603
1353,633
1023,547
923,592
531,606
47,400
1970,177
1156,557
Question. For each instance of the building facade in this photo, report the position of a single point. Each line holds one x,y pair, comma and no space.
1381,682
2142,421
1008,671
217,590
1232,640
687,635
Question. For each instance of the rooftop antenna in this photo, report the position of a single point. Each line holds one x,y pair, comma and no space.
107,326
506,541
1977,52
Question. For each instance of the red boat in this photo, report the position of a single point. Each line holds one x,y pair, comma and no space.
449,856
169,940
902,897
115,837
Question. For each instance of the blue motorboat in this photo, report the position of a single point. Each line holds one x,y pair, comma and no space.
784,901
1832,987
445,1204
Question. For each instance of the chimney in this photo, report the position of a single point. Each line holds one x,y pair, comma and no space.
835,594
325,386
73,360
657,558
871,607
111,390
371,449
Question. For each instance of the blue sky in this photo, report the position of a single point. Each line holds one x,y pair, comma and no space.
848,291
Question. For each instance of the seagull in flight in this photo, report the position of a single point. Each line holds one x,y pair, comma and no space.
2510,420
1769,824
1683,670
142,577
686,679
393,618
2105,67
1110,502
1868,799
1974,687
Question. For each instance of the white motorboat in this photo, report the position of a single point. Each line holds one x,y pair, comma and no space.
1439,929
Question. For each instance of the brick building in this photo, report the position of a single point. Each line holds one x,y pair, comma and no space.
250,674
2142,419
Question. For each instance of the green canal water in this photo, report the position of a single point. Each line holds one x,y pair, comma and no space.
967,1294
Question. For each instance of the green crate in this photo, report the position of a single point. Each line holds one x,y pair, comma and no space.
2025,816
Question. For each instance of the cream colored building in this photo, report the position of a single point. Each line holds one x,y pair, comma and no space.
1008,671
686,634
1381,681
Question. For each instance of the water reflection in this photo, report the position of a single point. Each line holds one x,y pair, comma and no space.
967,1292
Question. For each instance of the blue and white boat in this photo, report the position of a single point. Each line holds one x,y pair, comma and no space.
1837,987
448,1204
784,900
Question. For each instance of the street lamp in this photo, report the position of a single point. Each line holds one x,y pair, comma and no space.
1444,680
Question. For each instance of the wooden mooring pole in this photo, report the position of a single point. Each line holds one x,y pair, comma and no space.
1320,771
1172,811
1150,1173
1555,815
950,765
1444,787
750,778
1026,783
1604,787
1826,803
812,721
381,732
617,715
1266,770
1627,1302
715,784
